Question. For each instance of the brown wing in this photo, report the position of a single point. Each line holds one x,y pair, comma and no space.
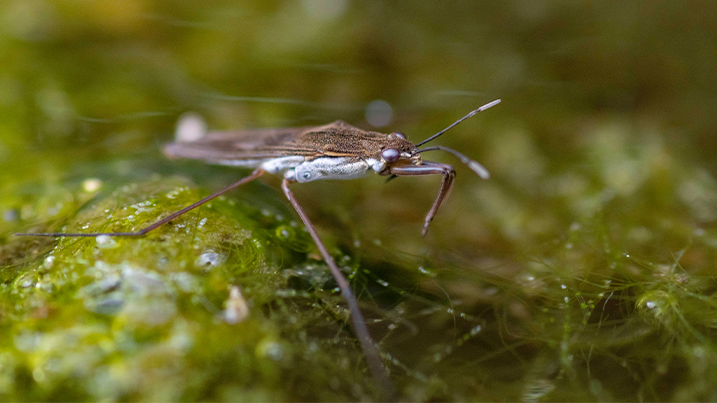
335,139
220,147
341,139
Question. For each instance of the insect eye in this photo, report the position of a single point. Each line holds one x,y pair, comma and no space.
399,135
390,154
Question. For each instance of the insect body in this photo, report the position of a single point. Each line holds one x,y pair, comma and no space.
334,151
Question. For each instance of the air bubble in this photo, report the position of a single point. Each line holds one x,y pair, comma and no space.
272,350
284,232
11,215
91,184
105,242
210,258
426,271
379,113
190,127
38,375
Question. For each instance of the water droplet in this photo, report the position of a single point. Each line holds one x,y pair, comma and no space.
426,271
190,127
91,184
26,283
38,375
142,207
271,350
236,307
45,286
105,242
284,232
11,215
209,259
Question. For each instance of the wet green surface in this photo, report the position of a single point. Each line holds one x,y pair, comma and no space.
583,270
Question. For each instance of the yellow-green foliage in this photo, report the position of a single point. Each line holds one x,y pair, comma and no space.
583,270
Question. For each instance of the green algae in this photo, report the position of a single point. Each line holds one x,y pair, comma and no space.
583,270
592,314
142,317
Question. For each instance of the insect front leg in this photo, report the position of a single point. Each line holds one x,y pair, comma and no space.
429,168
373,358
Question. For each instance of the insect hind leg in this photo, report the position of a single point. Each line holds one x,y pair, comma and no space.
254,175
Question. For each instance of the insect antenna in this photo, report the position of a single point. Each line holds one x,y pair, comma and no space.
473,165
482,108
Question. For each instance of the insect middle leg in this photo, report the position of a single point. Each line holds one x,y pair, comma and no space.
373,359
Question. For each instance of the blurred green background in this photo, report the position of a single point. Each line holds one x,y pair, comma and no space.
587,260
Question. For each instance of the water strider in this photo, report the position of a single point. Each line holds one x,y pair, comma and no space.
334,151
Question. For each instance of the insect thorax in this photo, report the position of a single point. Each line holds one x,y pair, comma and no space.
322,168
